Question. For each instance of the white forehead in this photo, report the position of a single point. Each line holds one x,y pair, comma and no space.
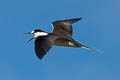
33,31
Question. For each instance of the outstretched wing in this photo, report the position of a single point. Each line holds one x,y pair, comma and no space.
64,27
42,46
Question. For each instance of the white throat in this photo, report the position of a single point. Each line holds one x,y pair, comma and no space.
37,34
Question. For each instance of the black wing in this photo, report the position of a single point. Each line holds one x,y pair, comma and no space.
64,27
42,46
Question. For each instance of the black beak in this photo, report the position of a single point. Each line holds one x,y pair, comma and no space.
28,33
29,39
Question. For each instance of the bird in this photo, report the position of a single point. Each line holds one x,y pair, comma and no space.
61,35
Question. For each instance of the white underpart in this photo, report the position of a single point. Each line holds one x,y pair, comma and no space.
37,34
70,43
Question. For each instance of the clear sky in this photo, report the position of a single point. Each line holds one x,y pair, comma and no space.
99,28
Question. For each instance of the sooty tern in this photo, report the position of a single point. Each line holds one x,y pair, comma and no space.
60,36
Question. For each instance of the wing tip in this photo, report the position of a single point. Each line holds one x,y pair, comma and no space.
78,18
40,57
72,20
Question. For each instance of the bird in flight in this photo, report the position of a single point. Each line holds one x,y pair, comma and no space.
60,36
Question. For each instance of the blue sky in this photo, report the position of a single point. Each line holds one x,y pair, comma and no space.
99,29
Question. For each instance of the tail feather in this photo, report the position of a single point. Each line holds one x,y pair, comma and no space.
91,49
78,45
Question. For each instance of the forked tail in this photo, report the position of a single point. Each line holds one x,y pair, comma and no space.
78,45
91,49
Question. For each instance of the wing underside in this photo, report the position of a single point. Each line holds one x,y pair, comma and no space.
42,46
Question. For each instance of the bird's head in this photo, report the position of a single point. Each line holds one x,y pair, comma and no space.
37,33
